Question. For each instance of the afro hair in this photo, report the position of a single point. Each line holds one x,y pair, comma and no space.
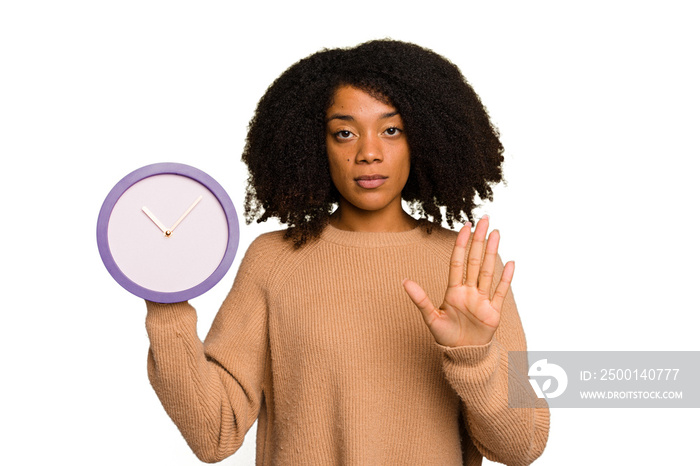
456,154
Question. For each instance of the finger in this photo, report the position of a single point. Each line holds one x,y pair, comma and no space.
456,275
503,286
489,265
420,299
475,251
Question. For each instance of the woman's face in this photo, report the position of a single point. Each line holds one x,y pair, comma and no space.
368,152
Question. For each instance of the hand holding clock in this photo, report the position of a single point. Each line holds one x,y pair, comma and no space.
160,225
468,315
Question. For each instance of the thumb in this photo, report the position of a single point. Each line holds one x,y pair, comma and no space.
420,299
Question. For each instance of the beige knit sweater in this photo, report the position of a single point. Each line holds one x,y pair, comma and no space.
324,348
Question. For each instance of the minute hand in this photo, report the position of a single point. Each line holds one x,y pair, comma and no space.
189,209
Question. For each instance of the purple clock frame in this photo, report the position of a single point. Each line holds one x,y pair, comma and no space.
165,169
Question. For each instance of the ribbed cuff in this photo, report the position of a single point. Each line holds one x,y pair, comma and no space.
471,366
468,355
161,316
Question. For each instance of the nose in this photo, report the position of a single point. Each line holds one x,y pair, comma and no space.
369,150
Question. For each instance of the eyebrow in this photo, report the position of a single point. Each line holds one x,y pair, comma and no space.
340,116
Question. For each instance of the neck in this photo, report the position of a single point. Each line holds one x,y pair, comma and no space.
349,218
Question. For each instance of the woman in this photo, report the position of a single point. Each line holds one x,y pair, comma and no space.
319,338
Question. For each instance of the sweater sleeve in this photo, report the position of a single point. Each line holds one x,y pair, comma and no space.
213,391
480,376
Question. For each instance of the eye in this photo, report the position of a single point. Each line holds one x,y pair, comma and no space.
393,131
343,134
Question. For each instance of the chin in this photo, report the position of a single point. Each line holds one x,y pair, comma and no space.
371,206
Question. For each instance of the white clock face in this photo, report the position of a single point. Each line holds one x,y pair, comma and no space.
167,233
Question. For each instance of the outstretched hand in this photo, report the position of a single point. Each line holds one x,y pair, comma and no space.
468,314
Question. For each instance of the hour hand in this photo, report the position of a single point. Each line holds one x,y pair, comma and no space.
155,220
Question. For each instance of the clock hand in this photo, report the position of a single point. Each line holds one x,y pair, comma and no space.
189,209
155,220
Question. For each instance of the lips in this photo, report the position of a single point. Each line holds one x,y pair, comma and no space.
370,181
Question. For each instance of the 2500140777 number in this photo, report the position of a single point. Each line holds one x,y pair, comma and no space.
639,374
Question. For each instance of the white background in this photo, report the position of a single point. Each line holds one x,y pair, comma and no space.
597,103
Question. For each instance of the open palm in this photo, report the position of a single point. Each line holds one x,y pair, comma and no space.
468,314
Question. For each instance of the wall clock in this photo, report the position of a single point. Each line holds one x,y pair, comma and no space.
167,232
